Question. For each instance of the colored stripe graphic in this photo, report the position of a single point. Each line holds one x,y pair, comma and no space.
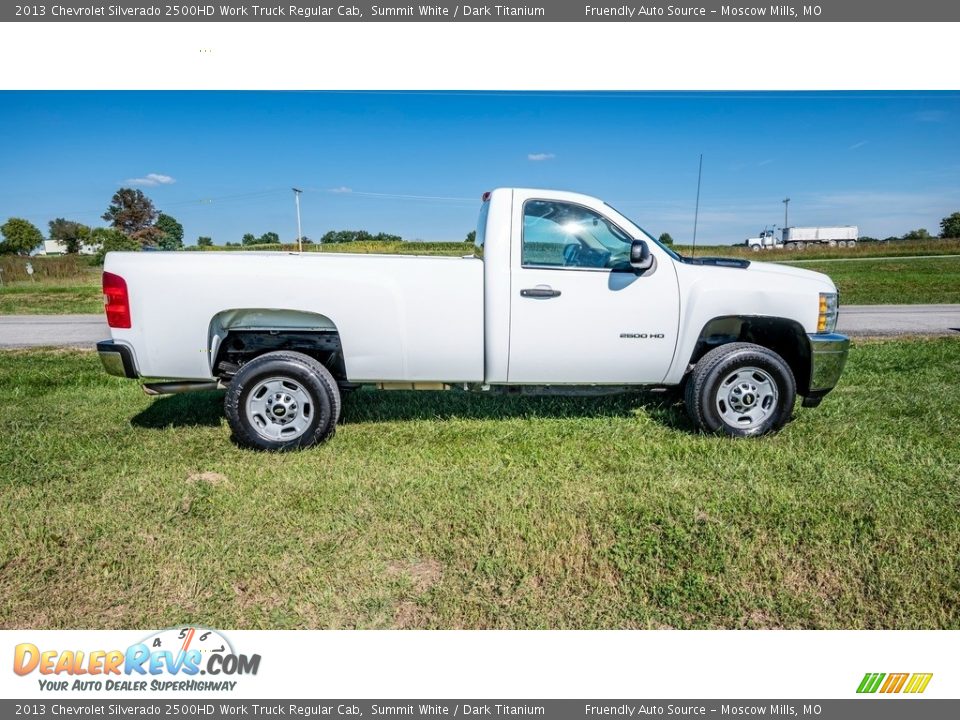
870,682
918,683
894,682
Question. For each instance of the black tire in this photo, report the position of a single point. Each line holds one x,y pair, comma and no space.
709,390
313,404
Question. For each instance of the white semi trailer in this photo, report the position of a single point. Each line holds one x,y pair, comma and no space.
797,238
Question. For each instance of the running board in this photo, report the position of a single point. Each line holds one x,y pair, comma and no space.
172,388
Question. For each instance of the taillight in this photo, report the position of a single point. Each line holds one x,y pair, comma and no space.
116,302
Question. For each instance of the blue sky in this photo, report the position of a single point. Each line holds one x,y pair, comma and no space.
415,164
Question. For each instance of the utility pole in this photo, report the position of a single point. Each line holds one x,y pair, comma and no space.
786,204
696,209
296,195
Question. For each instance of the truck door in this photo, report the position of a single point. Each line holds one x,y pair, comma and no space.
578,313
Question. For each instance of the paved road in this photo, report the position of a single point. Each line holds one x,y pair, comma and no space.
52,330
899,319
17,331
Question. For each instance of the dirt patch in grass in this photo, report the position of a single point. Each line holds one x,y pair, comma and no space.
213,479
422,573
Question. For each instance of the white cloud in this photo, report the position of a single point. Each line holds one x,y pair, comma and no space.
341,189
540,157
858,145
151,179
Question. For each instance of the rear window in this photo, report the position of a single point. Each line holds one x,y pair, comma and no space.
481,229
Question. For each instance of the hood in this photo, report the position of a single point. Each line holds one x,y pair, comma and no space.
766,268
790,271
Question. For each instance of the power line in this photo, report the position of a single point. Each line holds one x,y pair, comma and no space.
394,196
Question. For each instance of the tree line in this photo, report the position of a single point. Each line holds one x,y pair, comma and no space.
136,224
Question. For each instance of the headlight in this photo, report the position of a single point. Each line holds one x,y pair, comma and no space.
829,308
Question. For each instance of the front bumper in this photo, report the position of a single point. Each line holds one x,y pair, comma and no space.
828,355
117,359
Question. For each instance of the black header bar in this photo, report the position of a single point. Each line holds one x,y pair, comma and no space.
446,11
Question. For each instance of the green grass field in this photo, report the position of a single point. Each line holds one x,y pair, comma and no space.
53,297
450,510
871,282
900,248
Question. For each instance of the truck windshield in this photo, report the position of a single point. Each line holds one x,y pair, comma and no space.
672,253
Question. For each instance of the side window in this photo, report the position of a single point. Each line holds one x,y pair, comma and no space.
559,234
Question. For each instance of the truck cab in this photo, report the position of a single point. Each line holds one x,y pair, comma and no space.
766,240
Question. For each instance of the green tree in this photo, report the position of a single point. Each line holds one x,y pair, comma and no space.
665,239
268,238
20,236
69,233
387,237
471,237
249,239
172,238
133,213
919,234
950,226
346,236
204,241
112,240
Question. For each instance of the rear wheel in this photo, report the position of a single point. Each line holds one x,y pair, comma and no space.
740,389
282,401
851,243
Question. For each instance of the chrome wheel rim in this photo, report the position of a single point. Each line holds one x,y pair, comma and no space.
279,409
747,397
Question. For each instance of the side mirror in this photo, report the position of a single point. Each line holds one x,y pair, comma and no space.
640,257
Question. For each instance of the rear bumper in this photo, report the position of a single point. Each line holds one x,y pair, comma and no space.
828,355
117,359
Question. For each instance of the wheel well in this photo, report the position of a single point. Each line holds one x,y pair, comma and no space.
241,346
785,337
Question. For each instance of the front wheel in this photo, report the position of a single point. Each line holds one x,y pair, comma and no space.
282,401
742,390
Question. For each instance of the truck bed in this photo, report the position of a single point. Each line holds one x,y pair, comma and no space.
403,318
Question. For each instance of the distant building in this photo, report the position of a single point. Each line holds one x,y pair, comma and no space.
54,247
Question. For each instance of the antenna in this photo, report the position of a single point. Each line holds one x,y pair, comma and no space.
296,195
696,209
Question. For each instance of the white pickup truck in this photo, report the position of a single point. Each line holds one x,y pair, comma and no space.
562,290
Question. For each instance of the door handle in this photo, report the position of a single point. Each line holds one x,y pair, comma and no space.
540,291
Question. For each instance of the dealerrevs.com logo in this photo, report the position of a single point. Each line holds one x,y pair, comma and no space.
911,683
173,659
